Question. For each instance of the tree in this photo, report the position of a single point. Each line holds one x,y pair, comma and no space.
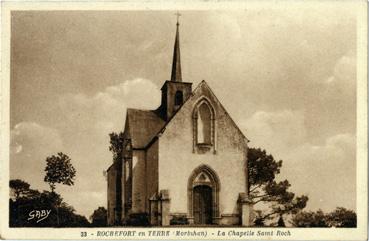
310,219
59,169
340,217
116,145
262,171
61,214
19,188
99,217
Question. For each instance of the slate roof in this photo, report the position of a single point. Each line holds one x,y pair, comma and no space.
142,126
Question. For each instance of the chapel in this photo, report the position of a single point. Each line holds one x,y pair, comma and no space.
184,163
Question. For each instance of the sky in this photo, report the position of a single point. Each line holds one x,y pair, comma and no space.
287,78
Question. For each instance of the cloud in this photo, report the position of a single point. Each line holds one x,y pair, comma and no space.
325,171
32,143
87,124
345,68
105,111
275,131
342,82
332,106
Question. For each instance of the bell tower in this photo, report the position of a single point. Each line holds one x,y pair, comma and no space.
174,91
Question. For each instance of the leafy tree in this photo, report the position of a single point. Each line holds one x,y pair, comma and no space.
59,169
19,188
310,219
340,217
61,214
116,145
262,171
99,217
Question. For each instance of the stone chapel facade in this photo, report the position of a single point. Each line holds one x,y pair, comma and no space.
186,160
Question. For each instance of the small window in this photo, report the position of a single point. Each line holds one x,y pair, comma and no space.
178,98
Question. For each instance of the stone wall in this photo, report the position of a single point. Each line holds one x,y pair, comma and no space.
138,181
152,171
111,194
177,158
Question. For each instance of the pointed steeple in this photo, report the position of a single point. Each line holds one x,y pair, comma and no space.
176,65
174,91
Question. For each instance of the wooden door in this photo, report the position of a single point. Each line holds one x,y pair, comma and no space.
202,204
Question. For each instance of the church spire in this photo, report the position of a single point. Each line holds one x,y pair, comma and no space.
176,65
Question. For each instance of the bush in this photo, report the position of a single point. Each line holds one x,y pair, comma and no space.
138,219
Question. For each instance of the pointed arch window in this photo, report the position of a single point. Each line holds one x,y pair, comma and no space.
203,126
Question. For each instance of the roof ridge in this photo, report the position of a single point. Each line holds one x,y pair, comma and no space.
192,94
167,122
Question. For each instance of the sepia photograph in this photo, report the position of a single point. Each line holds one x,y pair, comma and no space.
238,119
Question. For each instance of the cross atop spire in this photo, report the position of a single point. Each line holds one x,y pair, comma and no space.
176,65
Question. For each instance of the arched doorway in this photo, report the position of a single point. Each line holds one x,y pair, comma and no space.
203,196
202,205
